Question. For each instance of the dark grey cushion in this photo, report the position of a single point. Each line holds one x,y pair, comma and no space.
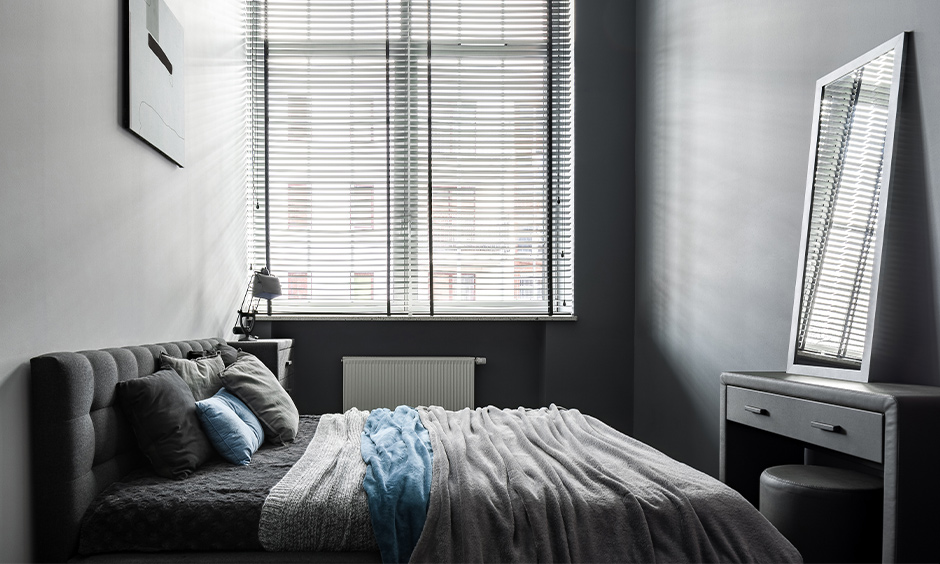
251,381
193,355
162,412
201,374
229,353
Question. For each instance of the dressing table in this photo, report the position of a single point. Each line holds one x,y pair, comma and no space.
887,430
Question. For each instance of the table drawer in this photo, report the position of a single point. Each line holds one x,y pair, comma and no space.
844,429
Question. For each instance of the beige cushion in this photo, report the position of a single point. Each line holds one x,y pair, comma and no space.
249,380
201,375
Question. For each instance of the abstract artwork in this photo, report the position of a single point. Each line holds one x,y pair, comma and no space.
155,77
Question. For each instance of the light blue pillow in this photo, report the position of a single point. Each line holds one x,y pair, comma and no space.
232,428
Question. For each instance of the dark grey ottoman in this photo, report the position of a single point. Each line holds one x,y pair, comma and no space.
829,514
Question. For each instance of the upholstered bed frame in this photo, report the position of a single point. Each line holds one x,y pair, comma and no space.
81,443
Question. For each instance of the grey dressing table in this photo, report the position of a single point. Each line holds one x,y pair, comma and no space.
889,430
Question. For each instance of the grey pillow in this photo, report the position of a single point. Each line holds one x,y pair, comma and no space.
249,380
228,352
162,412
201,375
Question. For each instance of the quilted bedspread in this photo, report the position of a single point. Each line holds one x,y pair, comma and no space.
217,508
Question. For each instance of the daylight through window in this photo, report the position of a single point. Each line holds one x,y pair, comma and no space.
412,157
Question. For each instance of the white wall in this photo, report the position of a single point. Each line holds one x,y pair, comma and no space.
103,241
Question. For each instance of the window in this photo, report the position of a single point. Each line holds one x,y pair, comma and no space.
455,286
416,154
361,207
362,285
299,212
298,285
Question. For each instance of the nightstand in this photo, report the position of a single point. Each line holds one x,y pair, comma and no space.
275,354
886,430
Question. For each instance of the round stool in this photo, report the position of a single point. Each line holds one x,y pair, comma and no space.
829,514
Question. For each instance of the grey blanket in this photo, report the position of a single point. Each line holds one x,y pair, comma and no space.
554,485
319,505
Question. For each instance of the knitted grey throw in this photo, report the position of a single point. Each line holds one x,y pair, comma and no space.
320,505
553,485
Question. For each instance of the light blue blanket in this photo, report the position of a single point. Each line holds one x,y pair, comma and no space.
397,451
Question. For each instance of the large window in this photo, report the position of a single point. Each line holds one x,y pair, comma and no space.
412,157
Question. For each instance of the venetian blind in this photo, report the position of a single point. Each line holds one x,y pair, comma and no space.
412,158
847,185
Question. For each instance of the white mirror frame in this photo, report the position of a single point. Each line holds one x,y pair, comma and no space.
862,374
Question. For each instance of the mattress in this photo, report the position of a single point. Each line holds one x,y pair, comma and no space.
217,508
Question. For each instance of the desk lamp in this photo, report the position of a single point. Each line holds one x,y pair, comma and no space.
261,285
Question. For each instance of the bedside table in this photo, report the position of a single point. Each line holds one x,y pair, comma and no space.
887,430
275,354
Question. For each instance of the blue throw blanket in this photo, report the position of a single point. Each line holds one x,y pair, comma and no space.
397,451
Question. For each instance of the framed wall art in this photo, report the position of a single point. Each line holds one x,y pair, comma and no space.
155,77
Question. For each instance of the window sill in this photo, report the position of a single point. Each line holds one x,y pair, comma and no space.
312,317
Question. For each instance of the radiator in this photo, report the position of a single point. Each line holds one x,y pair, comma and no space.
389,381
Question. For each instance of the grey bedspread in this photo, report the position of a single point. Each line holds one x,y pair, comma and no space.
217,508
552,485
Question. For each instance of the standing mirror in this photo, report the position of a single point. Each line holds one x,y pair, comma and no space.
845,214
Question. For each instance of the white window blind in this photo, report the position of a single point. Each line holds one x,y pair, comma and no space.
846,188
412,157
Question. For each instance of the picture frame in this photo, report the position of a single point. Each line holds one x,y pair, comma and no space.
155,80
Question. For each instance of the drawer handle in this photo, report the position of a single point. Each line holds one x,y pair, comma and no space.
757,410
826,426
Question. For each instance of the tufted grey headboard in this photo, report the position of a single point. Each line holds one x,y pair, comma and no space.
81,441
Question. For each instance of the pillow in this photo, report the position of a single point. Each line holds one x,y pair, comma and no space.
194,355
229,353
232,428
251,381
162,412
201,375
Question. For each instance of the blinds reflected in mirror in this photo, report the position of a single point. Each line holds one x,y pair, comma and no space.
837,276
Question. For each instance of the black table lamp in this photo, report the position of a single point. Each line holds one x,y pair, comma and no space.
261,285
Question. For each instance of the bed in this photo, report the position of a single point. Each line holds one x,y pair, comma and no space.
499,485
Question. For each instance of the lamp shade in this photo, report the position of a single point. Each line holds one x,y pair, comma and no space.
265,286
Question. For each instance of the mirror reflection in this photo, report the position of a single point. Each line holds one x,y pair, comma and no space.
843,224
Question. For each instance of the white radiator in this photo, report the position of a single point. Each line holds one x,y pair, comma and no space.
389,381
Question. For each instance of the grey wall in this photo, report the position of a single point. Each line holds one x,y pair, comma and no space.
589,364
103,241
584,364
725,99
510,378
